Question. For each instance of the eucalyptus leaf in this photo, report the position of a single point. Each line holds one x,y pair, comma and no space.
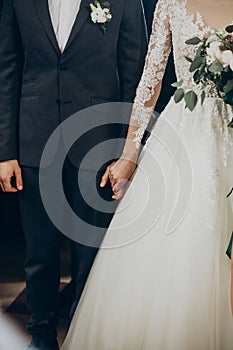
197,62
177,84
199,51
203,95
197,77
228,87
216,67
231,124
202,67
228,98
191,100
193,41
179,95
227,69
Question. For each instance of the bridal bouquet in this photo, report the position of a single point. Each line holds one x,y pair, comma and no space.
212,68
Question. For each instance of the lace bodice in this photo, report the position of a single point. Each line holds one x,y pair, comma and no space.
184,27
172,26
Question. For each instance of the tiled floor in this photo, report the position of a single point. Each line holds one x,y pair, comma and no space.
12,283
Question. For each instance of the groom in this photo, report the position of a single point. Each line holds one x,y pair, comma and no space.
54,61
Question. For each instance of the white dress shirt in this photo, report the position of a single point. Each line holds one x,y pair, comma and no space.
63,14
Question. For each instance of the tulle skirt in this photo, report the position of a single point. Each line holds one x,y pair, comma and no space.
161,280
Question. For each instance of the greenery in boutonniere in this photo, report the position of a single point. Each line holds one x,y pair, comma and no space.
212,68
101,14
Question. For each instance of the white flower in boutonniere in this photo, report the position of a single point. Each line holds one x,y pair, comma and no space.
101,14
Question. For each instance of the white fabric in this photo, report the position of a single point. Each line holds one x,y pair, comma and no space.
167,291
172,26
63,14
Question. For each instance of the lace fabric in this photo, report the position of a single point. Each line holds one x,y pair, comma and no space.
156,61
172,26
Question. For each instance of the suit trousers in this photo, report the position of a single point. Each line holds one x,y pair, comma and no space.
43,243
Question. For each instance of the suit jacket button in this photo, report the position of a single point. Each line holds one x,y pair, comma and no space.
58,101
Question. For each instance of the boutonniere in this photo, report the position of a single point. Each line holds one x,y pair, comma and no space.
101,14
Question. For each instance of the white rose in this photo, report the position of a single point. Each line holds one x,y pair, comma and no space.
212,38
227,58
213,52
98,16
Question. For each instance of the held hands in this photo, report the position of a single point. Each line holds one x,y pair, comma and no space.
9,169
119,173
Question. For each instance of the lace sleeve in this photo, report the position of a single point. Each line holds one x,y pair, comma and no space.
151,80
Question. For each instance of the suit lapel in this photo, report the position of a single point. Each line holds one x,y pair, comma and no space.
81,18
42,10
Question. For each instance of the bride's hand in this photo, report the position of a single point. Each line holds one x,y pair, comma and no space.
119,174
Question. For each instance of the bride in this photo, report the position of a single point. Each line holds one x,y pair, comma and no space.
165,282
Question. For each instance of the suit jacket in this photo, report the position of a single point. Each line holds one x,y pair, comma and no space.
170,76
40,87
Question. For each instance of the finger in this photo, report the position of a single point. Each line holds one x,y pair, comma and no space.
105,178
121,192
8,187
112,172
112,165
112,177
119,185
115,196
2,187
118,195
19,180
112,181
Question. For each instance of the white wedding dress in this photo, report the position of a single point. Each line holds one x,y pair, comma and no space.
161,280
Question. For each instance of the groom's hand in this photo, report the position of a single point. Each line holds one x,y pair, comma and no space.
106,177
119,173
8,170
120,176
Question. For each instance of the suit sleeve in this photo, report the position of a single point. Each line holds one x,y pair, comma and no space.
132,48
11,61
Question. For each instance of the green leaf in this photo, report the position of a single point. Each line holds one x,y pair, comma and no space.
203,66
190,99
228,98
216,67
228,87
177,84
179,95
231,124
227,69
197,62
203,95
188,59
193,41
199,51
229,29
197,77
